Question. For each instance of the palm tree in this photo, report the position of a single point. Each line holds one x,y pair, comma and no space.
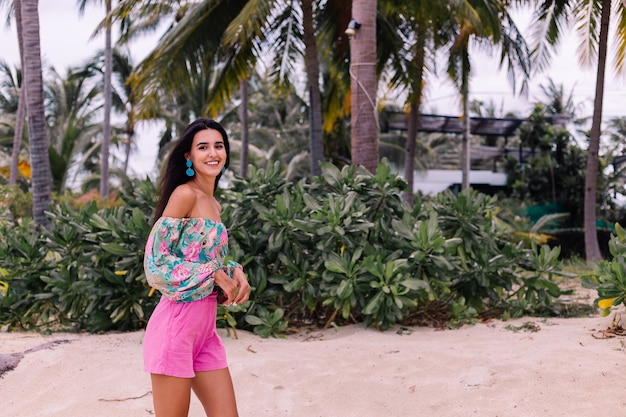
33,81
558,102
226,39
243,118
278,129
334,53
488,22
616,154
364,112
72,106
124,100
315,98
411,32
10,91
108,74
21,107
123,97
592,18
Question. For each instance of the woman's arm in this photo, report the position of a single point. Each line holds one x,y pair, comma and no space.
177,278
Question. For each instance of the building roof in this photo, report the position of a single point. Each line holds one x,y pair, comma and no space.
432,123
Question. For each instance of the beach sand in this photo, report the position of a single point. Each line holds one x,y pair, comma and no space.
491,369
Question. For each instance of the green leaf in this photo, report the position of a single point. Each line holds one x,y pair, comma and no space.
294,285
415,284
254,320
334,264
114,248
331,174
345,289
373,306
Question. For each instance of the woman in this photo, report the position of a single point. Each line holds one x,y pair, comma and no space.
185,261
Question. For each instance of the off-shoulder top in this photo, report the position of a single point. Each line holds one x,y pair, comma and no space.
182,256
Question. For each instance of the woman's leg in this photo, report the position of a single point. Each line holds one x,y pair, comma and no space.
216,393
170,395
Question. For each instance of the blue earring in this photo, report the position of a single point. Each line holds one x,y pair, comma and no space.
223,170
190,170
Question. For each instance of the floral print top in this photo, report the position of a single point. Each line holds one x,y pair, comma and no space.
182,256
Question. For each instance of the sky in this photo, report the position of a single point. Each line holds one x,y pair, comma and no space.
66,41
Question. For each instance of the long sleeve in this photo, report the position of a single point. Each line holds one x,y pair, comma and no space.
182,256
231,266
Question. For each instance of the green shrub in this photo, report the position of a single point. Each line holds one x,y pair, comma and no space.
85,272
99,279
24,262
343,248
609,279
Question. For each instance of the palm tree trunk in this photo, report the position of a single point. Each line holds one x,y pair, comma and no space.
467,123
315,98
33,80
592,249
409,156
414,116
106,125
130,137
17,135
21,104
243,117
364,114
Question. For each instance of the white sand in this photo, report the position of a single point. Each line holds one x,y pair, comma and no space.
481,370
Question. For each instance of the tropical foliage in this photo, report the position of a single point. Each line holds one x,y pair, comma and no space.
320,247
609,278
591,19
343,248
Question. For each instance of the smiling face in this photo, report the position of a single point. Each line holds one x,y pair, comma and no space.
208,153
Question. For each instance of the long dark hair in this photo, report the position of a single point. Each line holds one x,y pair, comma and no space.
174,174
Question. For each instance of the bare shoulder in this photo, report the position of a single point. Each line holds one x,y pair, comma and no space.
181,202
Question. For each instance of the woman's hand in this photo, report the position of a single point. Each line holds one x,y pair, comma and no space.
236,290
242,284
228,286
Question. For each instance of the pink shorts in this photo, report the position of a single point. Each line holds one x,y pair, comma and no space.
181,339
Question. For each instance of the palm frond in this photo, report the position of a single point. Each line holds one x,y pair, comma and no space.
587,15
192,45
550,20
620,37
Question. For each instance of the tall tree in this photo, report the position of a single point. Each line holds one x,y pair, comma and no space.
489,22
311,60
72,109
21,105
227,38
592,19
409,36
33,81
592,248
123,97
364,113
12,102
557,101
243,118
108,75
